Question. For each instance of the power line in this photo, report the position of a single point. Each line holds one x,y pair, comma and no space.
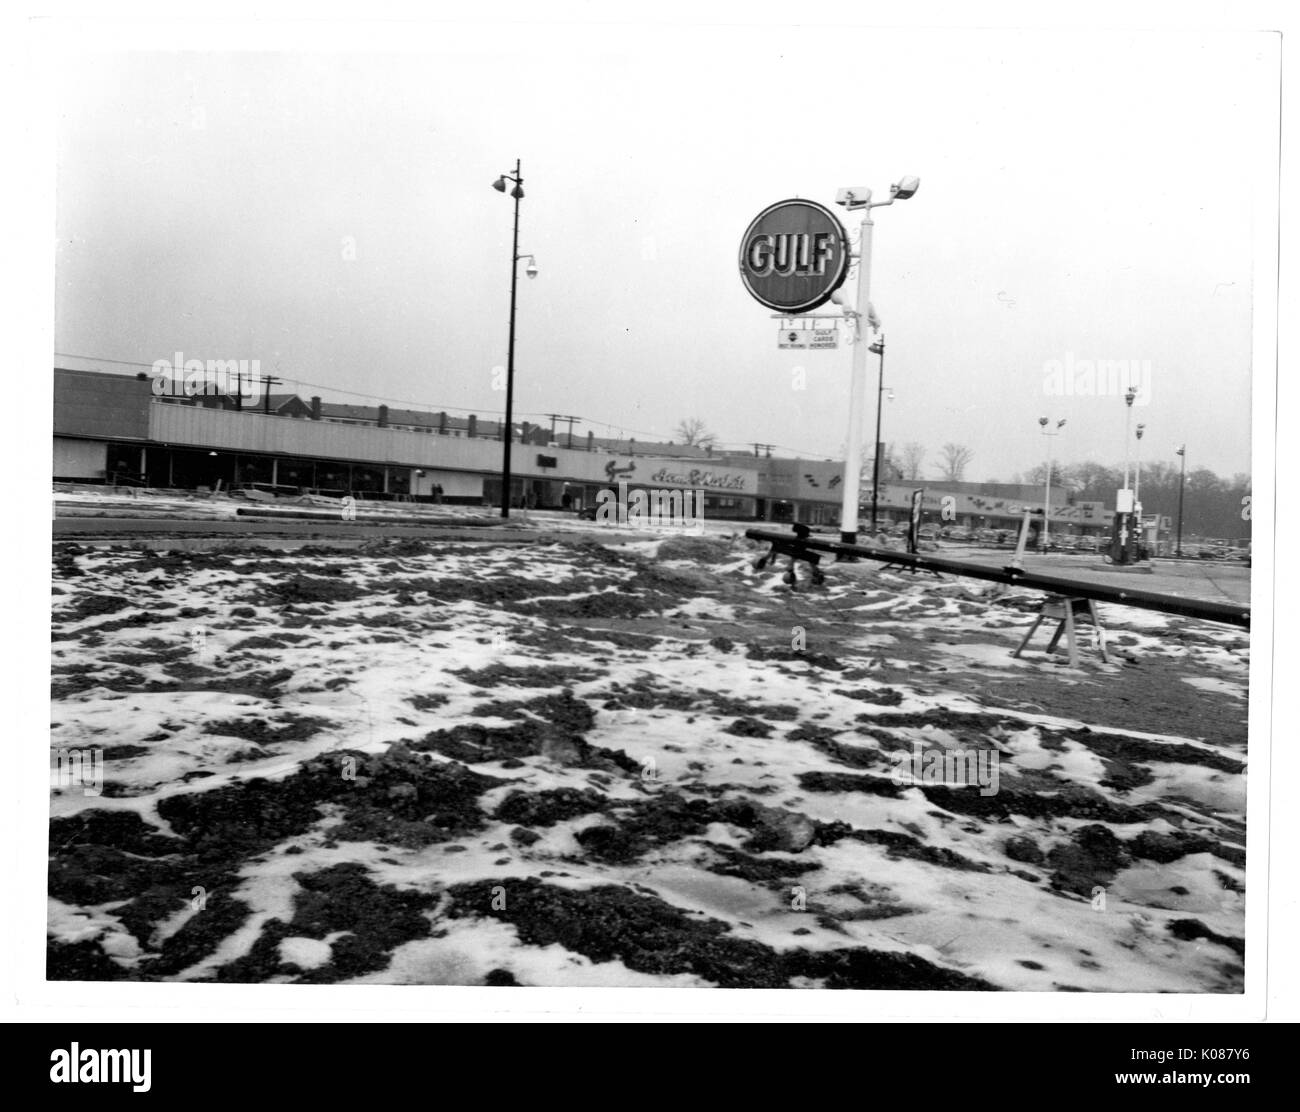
300,382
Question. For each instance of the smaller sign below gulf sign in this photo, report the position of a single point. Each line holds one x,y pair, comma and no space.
808,338
794,255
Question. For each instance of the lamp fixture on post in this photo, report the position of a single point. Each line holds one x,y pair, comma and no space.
1129,398
1047,492
879,348
1124,540
531,270
1137,472
1182,474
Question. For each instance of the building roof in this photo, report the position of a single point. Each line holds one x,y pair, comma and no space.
345,411
278,401
619,446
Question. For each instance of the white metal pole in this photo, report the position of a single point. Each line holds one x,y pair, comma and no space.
857,389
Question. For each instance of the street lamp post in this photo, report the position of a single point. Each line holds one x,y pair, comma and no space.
1123,542
518,194
1137,489
1128,424
1182,472
859,199
1047,491
879,348
1137,470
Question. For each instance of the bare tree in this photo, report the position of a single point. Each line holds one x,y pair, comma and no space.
694,434
1064,476
891,464
891,469
953,461
912,458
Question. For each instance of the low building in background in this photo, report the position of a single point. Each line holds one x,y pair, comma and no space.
115,429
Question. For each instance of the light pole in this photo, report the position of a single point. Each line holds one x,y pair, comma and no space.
1047,492
1137,490
859,199
1123,540
1182,472
518,194
1137,471
1128,423
879,348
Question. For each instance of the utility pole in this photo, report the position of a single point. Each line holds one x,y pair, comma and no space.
267,383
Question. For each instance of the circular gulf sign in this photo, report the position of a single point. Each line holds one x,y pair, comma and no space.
794,256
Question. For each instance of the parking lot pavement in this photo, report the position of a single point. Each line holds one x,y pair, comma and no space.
1213,580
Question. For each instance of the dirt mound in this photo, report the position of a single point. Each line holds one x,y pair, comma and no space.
372,920
1090,860
702,550
649,935
546,808
309,588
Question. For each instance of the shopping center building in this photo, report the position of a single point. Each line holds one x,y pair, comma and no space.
116,429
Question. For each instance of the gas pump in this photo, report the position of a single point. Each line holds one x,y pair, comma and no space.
1126,529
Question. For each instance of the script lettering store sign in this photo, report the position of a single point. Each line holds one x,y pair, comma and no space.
704,480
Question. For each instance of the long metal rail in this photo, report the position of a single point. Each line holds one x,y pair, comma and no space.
787,544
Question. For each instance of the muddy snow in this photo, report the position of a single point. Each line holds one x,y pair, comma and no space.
576,764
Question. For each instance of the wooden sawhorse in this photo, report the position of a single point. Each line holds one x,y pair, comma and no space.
1065,609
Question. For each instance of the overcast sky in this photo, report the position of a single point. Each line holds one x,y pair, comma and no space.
1083,196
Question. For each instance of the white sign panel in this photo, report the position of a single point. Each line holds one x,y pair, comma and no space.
808,338
824,338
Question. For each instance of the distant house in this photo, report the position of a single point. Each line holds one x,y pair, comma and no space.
284,405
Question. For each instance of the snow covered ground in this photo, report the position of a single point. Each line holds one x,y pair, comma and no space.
571,764
73,501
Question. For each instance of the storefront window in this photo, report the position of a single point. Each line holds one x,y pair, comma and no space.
332,477
369,480
123,461
254,469
296,473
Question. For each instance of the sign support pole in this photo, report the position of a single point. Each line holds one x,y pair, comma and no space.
857,389
877,451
